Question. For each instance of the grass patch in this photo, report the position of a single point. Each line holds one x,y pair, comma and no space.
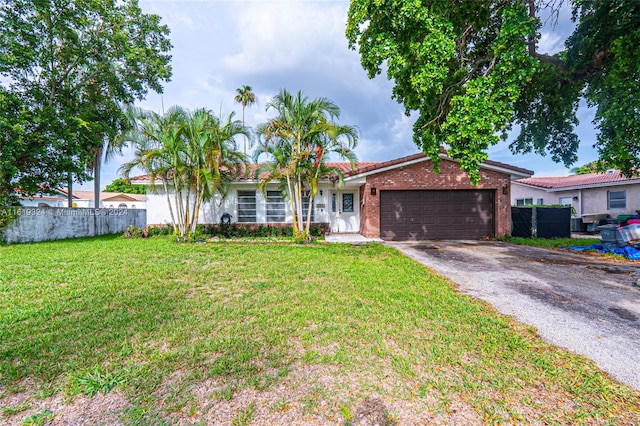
95,380
551,242
165,323
10,411
37,419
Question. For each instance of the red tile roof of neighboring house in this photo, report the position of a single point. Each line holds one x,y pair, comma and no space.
590,179
366,166
88,195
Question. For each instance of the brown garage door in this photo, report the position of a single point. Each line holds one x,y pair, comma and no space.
431,215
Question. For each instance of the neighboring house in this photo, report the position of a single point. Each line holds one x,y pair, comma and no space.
44,200
112,200
593,195
84,199
401,199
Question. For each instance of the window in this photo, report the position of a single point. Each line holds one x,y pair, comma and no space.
347,202
524,202
122,206
566,201
246,206
334,207
275,206
617,199
539,201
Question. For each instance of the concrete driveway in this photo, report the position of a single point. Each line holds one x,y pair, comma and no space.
587,304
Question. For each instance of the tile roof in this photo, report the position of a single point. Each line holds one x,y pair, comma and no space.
590,179
88,195
366,166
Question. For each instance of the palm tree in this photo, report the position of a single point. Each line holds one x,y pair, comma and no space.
212,157
109,143
193,154
299,140
157,142
247,98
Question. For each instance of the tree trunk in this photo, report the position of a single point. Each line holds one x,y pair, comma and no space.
166,190
177,196
308,221
244,136
69,190
292,203
299,205
97,166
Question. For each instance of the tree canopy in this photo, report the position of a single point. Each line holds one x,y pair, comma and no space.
121,185
66,66
191,155
471,69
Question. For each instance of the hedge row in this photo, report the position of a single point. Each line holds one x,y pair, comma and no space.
233,230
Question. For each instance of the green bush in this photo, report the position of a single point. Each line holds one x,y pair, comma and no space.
233,230
148,231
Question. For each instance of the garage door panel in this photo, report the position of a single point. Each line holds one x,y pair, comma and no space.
414,208
417,215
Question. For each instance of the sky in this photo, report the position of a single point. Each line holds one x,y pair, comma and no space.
219,46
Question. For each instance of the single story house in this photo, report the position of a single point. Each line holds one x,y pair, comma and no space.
84,199
593,196
401,199
44,200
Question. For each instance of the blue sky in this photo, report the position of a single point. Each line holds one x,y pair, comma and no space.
300,45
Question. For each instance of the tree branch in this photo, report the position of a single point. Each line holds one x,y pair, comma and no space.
549,59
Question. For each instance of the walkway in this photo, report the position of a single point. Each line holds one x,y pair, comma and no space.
350,239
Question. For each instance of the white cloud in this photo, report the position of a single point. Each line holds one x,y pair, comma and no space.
300,45
285,36
550,43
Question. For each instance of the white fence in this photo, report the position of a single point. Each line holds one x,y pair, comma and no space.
33,224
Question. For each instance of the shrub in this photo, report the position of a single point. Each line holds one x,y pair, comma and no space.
233,230
133,232
148,231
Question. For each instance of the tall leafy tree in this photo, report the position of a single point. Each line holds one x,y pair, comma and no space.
472,69
70,63
24,151
245,97
194,156
122,186
299,140
590,167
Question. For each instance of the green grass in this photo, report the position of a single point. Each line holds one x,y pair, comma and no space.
157,320
552,242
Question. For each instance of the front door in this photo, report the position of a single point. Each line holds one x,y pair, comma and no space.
345,211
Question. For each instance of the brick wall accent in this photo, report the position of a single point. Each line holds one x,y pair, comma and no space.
421,176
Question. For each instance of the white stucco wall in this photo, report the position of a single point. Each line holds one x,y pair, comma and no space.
519,191
129,204
37,201
595,200
212,211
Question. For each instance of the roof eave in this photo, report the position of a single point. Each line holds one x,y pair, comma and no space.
595,185
515,174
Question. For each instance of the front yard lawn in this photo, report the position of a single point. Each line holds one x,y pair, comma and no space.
118,331
552,243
